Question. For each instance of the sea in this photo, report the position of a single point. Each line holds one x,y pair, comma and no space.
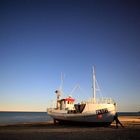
7,118
23,117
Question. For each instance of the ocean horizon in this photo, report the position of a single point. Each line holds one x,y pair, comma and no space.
17,117
14,117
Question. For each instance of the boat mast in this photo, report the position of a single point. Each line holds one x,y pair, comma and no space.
94,85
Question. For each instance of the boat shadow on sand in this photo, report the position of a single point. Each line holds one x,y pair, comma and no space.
58,125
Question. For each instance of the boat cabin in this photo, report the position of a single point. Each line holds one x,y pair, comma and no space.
66,103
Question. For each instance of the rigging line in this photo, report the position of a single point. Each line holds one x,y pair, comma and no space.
75,88
99,89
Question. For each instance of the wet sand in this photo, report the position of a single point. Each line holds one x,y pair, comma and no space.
49,131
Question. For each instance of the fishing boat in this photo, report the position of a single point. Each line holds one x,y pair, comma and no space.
94,111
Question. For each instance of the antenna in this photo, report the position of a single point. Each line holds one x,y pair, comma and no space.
94,84
61,83
59,92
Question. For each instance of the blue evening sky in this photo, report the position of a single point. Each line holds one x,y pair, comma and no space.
40,39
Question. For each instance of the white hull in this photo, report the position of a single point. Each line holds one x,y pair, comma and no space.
87,118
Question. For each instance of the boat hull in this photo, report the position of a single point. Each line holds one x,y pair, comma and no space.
84,118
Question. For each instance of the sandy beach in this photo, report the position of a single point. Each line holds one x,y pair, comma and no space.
49,131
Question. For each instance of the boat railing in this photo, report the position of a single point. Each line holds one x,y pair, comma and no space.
55,110
51,109
101,101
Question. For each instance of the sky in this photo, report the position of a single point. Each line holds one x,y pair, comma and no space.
42,39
